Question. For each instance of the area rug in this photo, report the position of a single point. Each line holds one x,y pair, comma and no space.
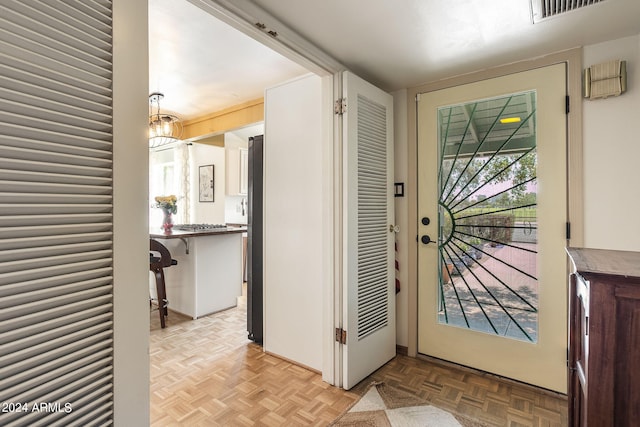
385,406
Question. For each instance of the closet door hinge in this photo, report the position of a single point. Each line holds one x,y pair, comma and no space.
341,336
568,230
340,106
567,104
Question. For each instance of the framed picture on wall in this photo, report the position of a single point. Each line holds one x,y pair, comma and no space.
205,188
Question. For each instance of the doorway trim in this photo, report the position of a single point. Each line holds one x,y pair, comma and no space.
575,214
255,22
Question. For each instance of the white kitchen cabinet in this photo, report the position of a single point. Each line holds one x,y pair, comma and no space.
244,171
237,182
207,278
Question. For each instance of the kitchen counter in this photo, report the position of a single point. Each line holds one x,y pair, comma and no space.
183,234
176,234
208,276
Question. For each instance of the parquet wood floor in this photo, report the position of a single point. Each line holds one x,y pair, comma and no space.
206,373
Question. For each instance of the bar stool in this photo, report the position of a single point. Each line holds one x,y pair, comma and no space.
156,265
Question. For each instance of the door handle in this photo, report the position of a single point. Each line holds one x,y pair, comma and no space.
426,239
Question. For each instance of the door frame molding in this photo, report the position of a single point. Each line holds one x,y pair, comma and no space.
273,33
243,16
575,202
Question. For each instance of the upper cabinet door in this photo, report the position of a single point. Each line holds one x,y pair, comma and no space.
236,172
244,171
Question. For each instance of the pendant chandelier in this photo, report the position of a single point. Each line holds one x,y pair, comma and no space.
163,128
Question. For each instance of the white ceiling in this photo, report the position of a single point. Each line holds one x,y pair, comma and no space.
202,65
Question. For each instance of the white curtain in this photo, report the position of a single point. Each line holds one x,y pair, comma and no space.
170,173
183,184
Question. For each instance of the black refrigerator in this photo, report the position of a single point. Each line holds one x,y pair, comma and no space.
255,232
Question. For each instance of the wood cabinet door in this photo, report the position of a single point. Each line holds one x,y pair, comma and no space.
627,363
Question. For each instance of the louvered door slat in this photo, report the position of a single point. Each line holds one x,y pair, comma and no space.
48,392
35,176
34,43
9,220
88,397
372,217
94,414
62,359
38,262
53,168
52,302
37,121
12,255
54,96
45,147
48,20
56,134
35,333
49,337
56,256
64,87
52,208
50,273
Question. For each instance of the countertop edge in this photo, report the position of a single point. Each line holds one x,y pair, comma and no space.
178,234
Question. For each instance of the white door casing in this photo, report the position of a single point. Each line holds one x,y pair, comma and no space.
368,306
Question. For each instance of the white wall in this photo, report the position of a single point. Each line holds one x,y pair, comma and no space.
207,212
232,140
130,213
612,154
293,221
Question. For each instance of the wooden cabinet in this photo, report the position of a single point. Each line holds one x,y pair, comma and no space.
237,181
604,338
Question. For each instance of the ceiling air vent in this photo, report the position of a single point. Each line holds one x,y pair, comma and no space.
543,9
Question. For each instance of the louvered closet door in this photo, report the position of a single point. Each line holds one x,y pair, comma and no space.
369,290
55,213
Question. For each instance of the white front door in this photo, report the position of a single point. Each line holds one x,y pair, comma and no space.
368,316
492,226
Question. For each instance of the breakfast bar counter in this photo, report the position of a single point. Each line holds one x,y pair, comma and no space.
208,276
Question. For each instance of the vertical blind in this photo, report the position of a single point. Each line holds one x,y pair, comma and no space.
56,317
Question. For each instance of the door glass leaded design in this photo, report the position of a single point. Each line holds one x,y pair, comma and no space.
487,216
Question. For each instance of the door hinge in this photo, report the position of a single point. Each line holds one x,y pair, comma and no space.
567,104
341,336
340,107
568,230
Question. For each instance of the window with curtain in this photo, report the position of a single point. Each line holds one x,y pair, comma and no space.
169,172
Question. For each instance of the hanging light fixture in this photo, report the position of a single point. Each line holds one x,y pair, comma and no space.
163,128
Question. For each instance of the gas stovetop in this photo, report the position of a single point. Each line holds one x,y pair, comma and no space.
199,227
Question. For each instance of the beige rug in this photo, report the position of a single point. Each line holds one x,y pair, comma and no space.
385,406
